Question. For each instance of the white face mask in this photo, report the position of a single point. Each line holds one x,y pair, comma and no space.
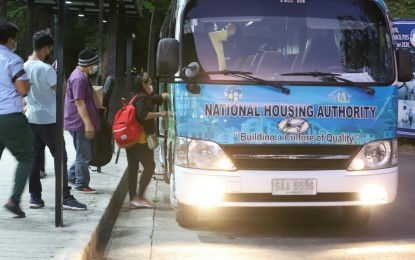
15,47
94,69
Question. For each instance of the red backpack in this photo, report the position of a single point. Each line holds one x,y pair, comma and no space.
126,129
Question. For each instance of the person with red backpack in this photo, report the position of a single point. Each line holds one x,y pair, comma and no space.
140,152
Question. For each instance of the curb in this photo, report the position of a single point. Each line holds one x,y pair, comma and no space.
101,235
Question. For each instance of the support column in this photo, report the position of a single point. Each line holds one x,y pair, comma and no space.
151,47
129,62
111,66
3,8
30,31
121,53
100,41
59,116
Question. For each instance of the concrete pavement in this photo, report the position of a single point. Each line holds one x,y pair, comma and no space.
154,233
36,237
136,233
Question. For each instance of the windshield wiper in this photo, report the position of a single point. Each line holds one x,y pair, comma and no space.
248,76
332,76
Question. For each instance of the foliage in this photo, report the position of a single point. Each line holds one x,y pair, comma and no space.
401,8
158,5
17,14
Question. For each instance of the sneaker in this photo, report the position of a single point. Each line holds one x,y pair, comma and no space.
141,203
42,174
73,204
86,189
36,202
15,208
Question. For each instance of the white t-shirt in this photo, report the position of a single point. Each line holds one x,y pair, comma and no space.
41,100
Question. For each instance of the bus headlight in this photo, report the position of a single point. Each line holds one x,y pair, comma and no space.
202,154
376,155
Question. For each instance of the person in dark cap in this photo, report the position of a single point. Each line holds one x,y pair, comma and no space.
81,117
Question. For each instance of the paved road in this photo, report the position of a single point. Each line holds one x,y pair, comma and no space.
308,233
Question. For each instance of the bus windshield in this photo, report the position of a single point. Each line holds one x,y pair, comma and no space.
279,41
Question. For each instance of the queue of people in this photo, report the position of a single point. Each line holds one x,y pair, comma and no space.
27,133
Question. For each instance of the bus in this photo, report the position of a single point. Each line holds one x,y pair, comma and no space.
279,103
404,35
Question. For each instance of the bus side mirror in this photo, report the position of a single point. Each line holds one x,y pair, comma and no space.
167,60
405,65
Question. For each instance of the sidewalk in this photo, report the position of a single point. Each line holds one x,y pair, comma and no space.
36,237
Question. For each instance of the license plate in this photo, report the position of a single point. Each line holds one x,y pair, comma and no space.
294,187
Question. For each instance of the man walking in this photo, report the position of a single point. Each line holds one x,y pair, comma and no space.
41,113
82,117
15,133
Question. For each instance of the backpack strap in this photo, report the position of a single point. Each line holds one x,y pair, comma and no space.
133,99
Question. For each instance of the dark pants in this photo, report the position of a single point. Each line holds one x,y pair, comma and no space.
15,135
45,135
42,165
139,153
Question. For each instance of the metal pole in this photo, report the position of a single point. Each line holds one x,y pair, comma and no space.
59,116
100,41
3,8
150,55
129,62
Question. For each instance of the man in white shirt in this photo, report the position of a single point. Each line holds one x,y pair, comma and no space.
41,113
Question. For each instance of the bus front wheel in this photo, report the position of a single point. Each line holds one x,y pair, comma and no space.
356,215
186,216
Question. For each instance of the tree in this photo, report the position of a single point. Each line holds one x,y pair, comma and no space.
401,8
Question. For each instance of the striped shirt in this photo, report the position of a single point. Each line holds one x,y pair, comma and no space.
79,88
10,64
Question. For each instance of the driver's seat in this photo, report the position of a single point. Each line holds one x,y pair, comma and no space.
321,53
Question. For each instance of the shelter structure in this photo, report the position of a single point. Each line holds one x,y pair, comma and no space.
117,15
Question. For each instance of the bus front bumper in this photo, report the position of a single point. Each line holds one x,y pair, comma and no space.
255,188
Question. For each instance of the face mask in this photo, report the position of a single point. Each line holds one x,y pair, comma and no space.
15,47
94,69
47,56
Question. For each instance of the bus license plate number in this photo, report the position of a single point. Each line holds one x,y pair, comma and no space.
294,187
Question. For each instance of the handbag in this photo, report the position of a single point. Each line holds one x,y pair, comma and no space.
152,141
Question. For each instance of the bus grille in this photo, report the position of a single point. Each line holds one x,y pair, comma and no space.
291,157
268,197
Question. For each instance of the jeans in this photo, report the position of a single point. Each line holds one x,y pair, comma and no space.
15,135
45,135
79,171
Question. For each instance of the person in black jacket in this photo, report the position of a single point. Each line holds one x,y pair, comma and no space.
141,153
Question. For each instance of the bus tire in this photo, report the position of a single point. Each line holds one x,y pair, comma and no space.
356,215
186,216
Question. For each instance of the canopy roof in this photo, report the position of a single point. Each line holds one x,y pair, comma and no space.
90,7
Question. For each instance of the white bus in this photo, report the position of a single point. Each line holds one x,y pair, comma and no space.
280,103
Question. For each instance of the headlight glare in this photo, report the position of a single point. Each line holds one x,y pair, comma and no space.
375,155
202,154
